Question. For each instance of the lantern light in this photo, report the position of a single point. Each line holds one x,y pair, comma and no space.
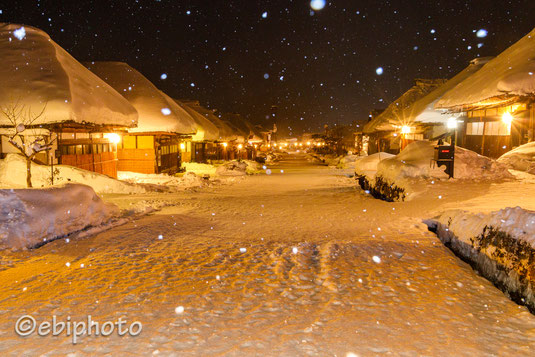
405,129
113,137
452,123
507,118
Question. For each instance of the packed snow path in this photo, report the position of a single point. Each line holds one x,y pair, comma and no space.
298,262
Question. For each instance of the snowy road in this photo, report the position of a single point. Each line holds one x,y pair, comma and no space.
294,263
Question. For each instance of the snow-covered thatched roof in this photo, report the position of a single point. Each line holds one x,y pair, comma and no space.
206,130
157,111
36,72
510,74
252,133
226,133
396,113
423,110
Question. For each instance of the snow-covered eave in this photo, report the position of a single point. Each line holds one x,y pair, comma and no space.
70,124
488,103
159,133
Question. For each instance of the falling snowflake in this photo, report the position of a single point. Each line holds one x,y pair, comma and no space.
317,4
376,259
166,111
266,76
294,250
243,250
379,71
163,76
481,33
160,237
264,15
20,33
179,309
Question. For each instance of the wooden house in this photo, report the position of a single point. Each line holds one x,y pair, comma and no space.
163,125
390,131
58,99
496,105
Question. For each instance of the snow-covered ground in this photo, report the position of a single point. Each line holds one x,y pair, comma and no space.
299,262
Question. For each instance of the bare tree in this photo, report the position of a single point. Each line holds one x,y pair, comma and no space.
22,120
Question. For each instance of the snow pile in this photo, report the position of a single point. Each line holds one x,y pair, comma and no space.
36,71
29,217
415,161
189,179
199,169
500,244
367,165
273,157
13,175
522,158
232,168
253,167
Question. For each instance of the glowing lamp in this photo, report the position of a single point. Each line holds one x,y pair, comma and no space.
182,146
112,138
405,129
507,118
225,145
308,143
452,123
240,146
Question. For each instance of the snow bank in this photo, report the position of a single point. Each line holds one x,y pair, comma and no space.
233,168
253,167
522,158
189,179
500,244
199,169
415,161
29,217
367,165
397,177
13,175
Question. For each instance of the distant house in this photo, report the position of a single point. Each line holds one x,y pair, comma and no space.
421,116
391,130
154,145
204,144
497,104
252,134
81,113
227,146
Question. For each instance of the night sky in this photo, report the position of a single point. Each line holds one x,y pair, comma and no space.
245,56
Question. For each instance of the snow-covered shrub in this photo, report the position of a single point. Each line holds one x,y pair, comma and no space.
415,161
232,168
521,158
367,165
31,217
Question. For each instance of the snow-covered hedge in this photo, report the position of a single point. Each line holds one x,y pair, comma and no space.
501,245
393,176
521,158
30,217
367,165
415,161
13,175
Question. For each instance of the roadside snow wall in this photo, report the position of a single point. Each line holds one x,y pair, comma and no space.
32,217
396,178
500,245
